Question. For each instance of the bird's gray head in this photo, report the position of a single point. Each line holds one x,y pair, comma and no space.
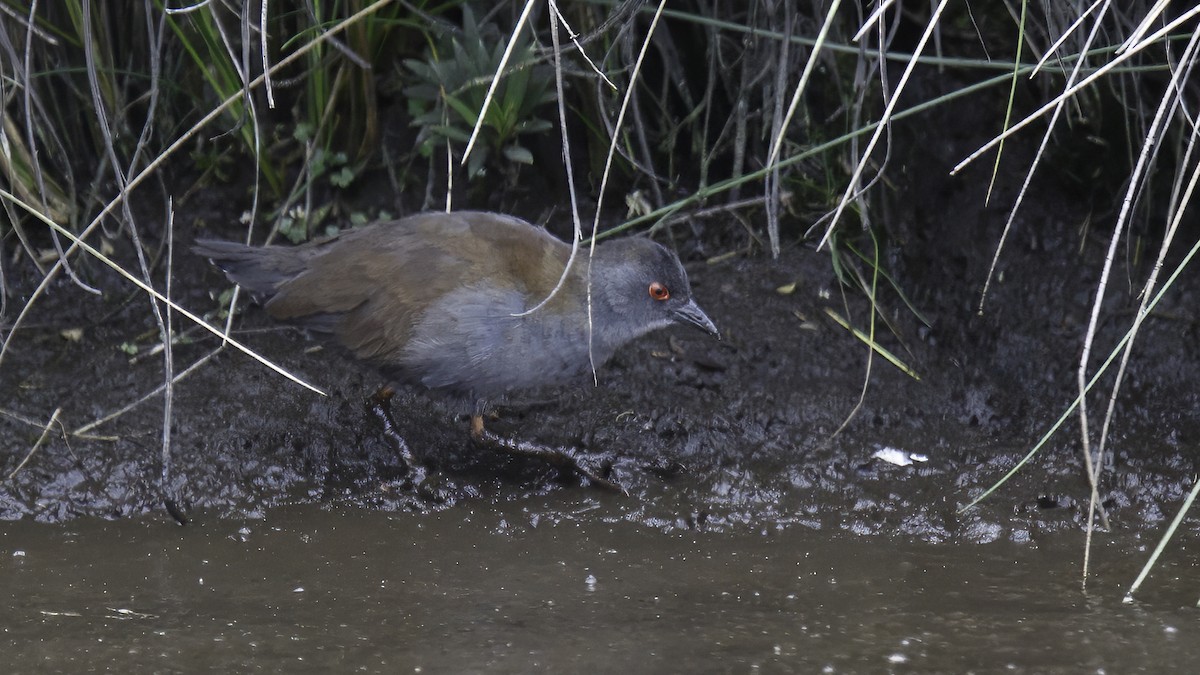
642,287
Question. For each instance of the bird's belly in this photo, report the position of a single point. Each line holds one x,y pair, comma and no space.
489,356
527,363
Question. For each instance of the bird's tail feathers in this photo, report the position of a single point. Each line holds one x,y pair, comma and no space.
257,269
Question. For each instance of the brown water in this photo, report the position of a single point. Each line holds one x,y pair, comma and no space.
342,589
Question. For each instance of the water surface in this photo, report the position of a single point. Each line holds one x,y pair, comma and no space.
324,589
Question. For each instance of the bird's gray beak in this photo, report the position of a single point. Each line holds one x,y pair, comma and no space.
691,313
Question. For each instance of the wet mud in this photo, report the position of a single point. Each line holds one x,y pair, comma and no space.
703,434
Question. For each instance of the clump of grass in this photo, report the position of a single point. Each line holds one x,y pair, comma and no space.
449,89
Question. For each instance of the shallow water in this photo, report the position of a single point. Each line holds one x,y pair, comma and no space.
335,588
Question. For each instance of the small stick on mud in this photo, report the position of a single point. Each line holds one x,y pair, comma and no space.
41,439
146,397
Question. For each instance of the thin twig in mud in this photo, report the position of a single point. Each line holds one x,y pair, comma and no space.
177,337
179,143
41,439
872,345
868,339
168,363
34,423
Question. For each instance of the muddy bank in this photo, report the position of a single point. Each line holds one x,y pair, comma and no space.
705,435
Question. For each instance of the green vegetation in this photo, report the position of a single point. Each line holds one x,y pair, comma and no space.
452,82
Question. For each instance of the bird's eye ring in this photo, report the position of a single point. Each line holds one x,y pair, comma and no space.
658,291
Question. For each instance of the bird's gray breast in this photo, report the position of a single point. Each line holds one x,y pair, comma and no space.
475,341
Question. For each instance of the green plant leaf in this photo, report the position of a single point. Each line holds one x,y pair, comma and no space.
342,177
519,154
468,113
453,133
303,132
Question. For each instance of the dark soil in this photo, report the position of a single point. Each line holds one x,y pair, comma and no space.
703,434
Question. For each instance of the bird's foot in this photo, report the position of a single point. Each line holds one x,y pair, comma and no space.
562,458
380,405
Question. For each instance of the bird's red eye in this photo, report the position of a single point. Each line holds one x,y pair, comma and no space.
659,292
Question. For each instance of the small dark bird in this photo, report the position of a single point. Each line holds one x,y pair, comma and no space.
442,301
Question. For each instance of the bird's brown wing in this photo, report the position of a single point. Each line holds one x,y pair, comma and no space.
372,285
